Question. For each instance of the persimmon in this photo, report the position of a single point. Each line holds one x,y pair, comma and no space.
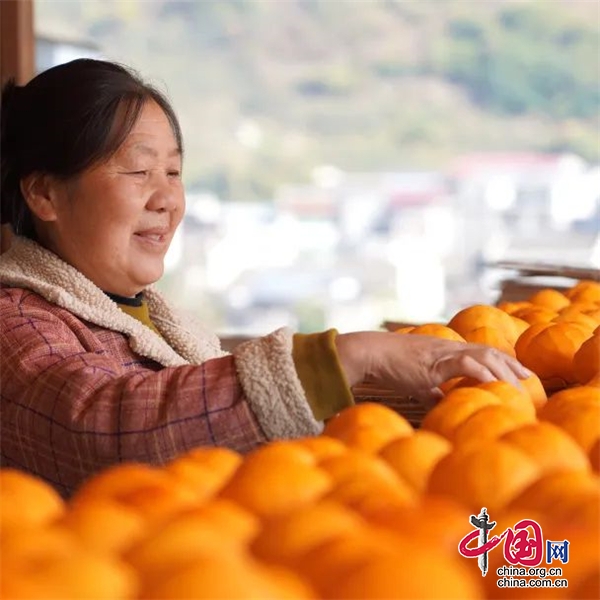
150,491
285,539
456,407
549,298
487,474
414,457
550,446
363,481
489,423
482,315
561,495
437,330
511,307
367,426
548,349
490,336
585,290
217,575
535,314
276,478
586,361
27,500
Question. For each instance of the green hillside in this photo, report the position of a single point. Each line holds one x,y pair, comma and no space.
268,89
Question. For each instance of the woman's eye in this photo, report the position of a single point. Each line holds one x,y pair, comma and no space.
138,172
174,174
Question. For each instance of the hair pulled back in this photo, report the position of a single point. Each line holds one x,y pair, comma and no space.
62,122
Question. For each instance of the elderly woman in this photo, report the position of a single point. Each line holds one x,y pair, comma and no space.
96,366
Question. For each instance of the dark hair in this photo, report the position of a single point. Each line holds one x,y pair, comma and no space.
64,121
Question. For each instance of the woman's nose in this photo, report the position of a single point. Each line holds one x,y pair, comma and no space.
167,196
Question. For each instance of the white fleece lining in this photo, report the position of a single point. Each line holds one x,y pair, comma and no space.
265,365
278,385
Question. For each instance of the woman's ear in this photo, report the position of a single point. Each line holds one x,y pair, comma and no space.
40,193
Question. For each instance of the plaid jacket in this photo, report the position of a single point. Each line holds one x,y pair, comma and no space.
83,385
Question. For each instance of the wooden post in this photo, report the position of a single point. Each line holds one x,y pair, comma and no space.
17,40
17,57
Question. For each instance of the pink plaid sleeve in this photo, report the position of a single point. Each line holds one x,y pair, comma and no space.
76,399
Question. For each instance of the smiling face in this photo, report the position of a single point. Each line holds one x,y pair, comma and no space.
115,221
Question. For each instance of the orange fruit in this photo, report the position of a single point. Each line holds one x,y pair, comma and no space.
218,459
27,500
483,315
520,325
586,361
549,298
367,426
364,481
403,330
237,524
437,330
588,587
594,381
21,551
535,314
205,470
335,558
585,290
444,525
219,575
511,307
525,338
413,457
407,574
551,447
104,526
580,395
456,408
490,336
576,411
83,575
577,317
322,446
182,540
449,385
150,491
594,313
512,397
283,540
550,352
595,456
534,387
560,494
275,479
489,423
487,474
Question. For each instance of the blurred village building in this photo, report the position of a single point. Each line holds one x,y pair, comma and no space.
355,249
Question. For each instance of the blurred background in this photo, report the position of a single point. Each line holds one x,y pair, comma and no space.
351,162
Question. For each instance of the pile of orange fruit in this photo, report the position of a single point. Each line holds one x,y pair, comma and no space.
372,508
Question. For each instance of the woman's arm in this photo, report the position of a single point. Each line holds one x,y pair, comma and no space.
74,401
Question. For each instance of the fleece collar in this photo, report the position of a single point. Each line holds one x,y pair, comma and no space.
28,265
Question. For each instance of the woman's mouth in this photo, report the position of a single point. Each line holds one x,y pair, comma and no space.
153,237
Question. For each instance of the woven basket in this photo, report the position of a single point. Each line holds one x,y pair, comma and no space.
410,408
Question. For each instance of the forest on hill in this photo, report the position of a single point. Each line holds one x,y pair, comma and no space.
267,90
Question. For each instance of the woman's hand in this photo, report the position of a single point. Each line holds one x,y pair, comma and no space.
416,365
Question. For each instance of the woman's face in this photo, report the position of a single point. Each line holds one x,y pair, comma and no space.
115,222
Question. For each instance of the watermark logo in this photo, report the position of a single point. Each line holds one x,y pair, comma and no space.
523,548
